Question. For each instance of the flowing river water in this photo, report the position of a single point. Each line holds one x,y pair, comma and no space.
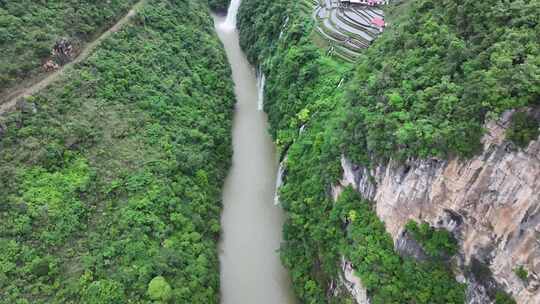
251,271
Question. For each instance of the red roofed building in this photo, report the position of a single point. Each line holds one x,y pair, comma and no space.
379,22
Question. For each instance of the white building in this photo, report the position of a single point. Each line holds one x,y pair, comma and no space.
365,2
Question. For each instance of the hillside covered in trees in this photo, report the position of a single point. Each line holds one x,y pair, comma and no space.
429,84
111,177
219,5
425,88
29,30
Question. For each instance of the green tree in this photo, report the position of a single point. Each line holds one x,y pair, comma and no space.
523,129
159,289
104,291
502,297
522,273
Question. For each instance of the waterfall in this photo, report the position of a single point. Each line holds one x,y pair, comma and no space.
230,22
250,222
279,181
261,80
340,82
283,27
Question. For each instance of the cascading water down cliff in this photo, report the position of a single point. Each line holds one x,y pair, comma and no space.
230,20
251,271
261,81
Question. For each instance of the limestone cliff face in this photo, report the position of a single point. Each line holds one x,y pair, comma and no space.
490,202
352,283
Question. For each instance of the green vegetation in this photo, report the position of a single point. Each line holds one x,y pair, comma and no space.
438,243
481,272
441,69
502,297
219,5
302,83
521,272
159,289
387,277
524,128
29,30
111,188
104,291
302,89
425,88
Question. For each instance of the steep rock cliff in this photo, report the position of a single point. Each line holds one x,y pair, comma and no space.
352,283
490,202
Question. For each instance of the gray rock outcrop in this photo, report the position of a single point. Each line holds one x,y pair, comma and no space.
491,203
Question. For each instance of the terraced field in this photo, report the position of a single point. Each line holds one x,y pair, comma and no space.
347,30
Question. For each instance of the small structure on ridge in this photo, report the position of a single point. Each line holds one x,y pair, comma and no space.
365,2
348,26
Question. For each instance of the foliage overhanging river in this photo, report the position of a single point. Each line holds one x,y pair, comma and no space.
251,271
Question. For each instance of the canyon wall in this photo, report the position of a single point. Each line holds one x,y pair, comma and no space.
491,203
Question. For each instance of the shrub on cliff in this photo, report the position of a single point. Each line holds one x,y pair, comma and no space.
502,297
522,273
523,130
437,242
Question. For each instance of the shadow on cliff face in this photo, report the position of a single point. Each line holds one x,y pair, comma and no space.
483,287
407,246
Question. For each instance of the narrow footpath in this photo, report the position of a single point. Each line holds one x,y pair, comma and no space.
11,99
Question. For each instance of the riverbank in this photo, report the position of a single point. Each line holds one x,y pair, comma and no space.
9,98
328,247
251,271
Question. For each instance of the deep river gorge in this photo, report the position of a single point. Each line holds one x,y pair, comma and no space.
251,271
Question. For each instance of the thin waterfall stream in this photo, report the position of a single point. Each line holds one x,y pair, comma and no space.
261,81
250,268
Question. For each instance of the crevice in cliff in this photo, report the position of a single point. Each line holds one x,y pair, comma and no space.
488,202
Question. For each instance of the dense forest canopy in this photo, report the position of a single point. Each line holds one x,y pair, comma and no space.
29,30
111,177
219,5
303,92
425,88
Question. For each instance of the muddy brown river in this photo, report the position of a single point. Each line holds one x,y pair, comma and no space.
251,271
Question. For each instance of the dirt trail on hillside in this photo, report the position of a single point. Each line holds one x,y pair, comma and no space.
11,100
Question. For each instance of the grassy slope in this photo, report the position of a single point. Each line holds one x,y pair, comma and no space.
116,177
29,29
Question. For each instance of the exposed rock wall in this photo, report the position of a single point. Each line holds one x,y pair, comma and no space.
352,283
490,202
